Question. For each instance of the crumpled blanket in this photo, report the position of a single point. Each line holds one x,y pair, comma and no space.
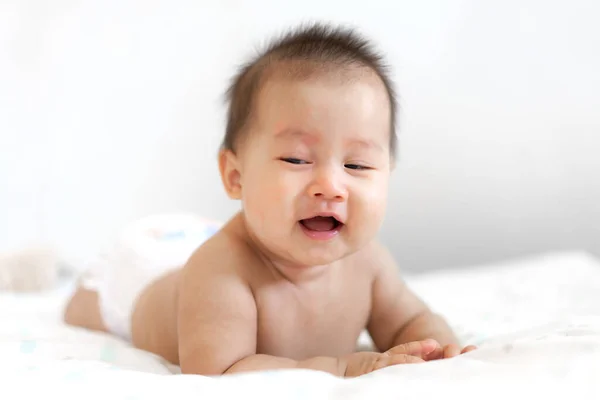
536,320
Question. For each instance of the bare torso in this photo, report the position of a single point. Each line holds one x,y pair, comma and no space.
321,317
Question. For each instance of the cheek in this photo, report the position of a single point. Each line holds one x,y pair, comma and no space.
270,192
370,200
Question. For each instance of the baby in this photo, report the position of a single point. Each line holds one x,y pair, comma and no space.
293,279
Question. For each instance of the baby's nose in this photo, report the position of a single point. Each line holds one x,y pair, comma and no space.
328,187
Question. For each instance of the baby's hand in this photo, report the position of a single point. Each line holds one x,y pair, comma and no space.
409,353
448,351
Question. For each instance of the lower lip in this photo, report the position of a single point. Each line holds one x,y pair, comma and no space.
321,235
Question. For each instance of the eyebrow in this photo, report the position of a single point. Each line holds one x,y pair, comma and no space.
292,132
364,143
368,144
306,137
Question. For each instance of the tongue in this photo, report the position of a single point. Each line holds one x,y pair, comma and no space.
320,224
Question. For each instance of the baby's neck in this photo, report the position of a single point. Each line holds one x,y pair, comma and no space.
301,275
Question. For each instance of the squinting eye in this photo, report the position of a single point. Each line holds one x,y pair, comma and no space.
356,167
294,161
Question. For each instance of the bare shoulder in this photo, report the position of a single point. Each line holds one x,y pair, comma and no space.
217,252
225,253
229,253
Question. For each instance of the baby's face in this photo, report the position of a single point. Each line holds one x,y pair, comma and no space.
315,167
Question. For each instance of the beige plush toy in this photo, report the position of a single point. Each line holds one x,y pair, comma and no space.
30,269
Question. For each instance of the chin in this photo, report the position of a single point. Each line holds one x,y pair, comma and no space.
321,256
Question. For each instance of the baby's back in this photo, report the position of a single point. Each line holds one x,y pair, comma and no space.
322,315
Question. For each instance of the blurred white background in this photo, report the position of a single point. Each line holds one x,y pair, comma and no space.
111,110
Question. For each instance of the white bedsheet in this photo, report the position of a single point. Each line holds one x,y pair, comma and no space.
537,322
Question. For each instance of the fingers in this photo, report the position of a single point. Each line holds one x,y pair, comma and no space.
418,349
396,359
436,354
428,350
448,351
451,350
468,349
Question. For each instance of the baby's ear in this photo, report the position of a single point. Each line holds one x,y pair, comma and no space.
230,174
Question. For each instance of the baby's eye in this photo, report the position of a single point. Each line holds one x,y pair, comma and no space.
293,160
356,167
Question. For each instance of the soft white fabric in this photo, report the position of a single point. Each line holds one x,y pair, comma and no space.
537,321
144,250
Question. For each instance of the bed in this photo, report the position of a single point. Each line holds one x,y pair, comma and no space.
536,320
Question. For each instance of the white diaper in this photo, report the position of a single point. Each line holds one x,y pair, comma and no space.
144,251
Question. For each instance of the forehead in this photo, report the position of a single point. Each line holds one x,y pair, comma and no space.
350,104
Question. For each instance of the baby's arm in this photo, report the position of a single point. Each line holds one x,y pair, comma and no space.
398,315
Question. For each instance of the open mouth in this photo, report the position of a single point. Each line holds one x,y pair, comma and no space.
320,227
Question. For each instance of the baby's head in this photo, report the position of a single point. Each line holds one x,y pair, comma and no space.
310,144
